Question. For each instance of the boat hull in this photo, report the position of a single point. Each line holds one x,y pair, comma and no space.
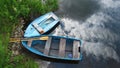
42,25
59,47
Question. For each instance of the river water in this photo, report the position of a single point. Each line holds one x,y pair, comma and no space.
97,23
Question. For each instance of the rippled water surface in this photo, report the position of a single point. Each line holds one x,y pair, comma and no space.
97,23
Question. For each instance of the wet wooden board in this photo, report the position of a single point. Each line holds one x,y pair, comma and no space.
29,43
39,29
62,47
76,45
53,53
47,46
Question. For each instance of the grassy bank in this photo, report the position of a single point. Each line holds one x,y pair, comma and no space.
10,14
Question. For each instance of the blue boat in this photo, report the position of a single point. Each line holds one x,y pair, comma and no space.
42,25
55,47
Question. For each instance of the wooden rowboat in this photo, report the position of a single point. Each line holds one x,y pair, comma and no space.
55,47
42,25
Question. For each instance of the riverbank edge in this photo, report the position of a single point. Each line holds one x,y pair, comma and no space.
12,54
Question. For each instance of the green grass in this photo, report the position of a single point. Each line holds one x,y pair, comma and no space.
10,13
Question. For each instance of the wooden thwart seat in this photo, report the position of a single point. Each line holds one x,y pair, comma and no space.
62,47
47,46
29,43
39,29
76,45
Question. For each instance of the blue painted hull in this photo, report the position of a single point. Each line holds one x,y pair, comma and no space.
38,47
45,22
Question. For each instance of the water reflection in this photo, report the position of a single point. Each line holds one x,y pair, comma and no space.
77,9
96,22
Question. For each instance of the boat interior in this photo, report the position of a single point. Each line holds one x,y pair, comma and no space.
57,47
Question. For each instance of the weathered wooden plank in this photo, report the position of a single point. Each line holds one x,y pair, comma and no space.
15,39
76,45
47,46
39,29
62,47
29,43
27,39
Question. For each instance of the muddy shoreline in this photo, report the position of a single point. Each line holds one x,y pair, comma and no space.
17,48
